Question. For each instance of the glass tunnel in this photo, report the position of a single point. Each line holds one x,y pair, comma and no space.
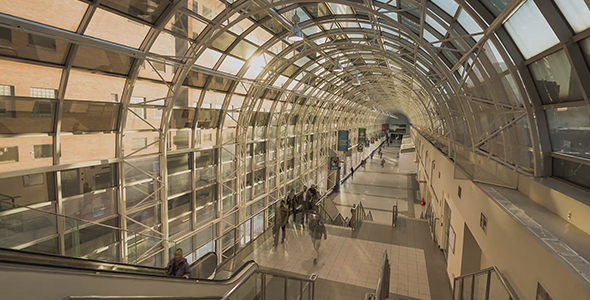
147,125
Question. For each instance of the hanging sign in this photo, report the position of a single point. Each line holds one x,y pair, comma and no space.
362,135
383,127
360,147
334,163
367,143
372,140
342,140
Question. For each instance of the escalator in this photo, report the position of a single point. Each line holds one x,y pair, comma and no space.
25,275
41,276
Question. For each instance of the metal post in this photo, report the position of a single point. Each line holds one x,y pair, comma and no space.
263,286
394,216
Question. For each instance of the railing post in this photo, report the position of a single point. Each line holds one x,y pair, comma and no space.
263,287
394,216
285,289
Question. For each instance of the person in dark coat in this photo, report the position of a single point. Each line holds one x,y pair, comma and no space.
178,266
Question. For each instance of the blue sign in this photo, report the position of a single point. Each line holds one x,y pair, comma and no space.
367,143
342,140
334,163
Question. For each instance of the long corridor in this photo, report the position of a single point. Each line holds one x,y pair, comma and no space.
349,261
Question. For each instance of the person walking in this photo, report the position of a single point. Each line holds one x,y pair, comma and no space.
316,231
353,216
351,172
383,163
292,204
281,219
178,266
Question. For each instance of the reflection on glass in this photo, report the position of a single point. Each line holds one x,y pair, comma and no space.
27,116
555,80
571,171
569,128
576,12
89,116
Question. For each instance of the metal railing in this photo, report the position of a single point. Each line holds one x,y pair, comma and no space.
394,216
382,291
358,215
483,285
269,284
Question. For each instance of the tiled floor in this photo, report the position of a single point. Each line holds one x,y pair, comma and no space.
349,263
381,187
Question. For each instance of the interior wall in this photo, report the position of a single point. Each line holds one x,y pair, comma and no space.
520,257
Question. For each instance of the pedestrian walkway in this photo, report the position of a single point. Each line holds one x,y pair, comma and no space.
349,263
381,187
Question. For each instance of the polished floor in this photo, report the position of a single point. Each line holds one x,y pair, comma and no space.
349,262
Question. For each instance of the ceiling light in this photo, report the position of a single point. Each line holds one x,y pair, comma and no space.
356,81
338,67
296,34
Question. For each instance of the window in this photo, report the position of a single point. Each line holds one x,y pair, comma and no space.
576,12
495,6
573,172
138,111
159,66
9,154
42,42
43,151
569,129
530,31
459,191
5,34
483,222
208,137
207,12
195,6
115,97
42,109
554,79
43,93
6,90
138,143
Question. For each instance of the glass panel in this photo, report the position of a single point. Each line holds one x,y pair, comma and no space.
576,12
275,287
93,241
205,158
91,206
530,31
495,6
87,179
181,224
449,6
179,183
140,169
49,246
480,285
84,85
148,11
143,219
205,176
585,44
27,116
206,204
467,281
120,30
34,47
497,289
23,225
179,205
89,116
65,14
27,190
555,80
101,60
258,224
178,163
569,128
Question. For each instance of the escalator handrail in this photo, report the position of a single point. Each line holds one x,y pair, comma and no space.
92,266
266,271
138,298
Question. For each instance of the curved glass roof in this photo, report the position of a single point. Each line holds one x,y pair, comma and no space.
139,79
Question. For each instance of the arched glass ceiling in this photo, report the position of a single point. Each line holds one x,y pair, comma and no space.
496,77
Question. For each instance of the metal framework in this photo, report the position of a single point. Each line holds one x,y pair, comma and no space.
216,111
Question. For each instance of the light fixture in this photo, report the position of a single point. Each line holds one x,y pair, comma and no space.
296,34
394,116
367,98
338,67
356,81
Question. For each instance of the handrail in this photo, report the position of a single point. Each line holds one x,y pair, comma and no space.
275,273
138,298
488,271
382,291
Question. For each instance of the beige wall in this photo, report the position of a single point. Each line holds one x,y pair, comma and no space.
519,256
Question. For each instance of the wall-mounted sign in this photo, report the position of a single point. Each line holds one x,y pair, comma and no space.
334,163
372,140
383,127
367,143
360,147
342,140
